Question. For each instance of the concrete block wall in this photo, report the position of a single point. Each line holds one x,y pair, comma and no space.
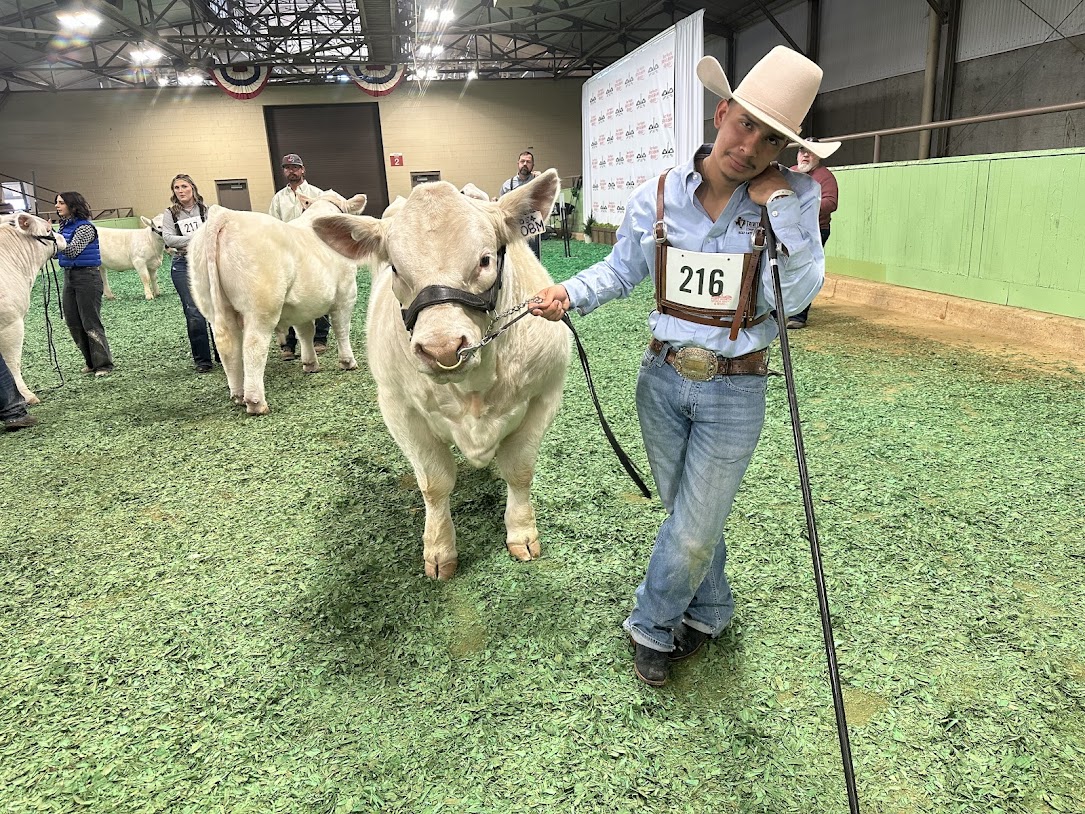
122,148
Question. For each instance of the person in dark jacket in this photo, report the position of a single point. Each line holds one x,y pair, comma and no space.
82,296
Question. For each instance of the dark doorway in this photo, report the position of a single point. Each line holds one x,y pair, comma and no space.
341,146
233,193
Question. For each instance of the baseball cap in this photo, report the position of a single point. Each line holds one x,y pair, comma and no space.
292,158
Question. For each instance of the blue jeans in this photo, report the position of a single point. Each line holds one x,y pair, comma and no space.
804,314
700,437
12,403
194,320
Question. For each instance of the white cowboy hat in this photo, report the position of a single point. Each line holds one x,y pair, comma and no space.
778,92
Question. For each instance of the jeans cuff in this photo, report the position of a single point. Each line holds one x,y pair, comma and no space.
640,637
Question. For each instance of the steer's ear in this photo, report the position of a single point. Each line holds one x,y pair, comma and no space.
356,205
24,221
354,236
145,220
535,196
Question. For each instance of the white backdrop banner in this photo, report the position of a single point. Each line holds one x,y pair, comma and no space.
630,132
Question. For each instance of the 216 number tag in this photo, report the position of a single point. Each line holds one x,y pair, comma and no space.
703,279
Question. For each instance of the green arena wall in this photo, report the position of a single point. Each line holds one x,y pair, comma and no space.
1006,229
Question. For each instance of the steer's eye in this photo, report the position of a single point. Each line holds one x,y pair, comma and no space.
485,262
393,268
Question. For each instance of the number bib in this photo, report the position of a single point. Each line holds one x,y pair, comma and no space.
701,280
188,226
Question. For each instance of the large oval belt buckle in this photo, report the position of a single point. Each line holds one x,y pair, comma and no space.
696,364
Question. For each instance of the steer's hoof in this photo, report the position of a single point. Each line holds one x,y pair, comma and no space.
311,367
525,552
441,570
238,400
32,399
348,364
110,296
257,408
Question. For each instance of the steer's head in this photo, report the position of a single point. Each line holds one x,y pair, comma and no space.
154,224
38,229
444,252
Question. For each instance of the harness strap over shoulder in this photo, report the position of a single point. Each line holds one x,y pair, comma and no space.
743,316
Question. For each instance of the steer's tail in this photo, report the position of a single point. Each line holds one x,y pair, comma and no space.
204,280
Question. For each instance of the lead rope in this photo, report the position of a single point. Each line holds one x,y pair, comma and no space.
491,335
627,463
46,292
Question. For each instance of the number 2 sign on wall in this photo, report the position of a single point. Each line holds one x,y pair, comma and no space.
395,159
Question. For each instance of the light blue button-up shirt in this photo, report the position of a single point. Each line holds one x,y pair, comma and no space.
794,220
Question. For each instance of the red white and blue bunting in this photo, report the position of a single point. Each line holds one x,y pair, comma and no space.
377,80
241,82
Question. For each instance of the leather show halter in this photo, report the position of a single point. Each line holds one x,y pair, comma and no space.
439,294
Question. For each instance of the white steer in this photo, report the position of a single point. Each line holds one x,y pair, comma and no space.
444,265
139,249
26,243
251,274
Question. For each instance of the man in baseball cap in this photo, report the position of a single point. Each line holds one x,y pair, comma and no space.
286,207
701,386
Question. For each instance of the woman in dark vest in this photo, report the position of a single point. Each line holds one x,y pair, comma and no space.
181,220
82,297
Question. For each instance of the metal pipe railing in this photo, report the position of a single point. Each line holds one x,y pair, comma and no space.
987,117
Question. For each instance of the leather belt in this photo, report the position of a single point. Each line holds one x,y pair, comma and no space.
700,364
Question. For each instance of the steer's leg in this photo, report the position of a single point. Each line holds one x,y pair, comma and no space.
435,471
107,292
257,336
305,334
145,276
228,338
11,348
339,315
516,462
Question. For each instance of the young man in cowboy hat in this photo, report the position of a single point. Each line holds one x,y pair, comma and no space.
701,386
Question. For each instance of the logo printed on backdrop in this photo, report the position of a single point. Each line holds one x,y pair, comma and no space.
642,157
641,102
668,120
629,157
628,81
653,96
653,127
619,134
630,184
668,60
641,179
668,152
628,105
642,128
594,118
653,152
667,93
653,68
629,133
642,72
610,113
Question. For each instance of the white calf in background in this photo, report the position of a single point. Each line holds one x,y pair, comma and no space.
139,249
252,274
